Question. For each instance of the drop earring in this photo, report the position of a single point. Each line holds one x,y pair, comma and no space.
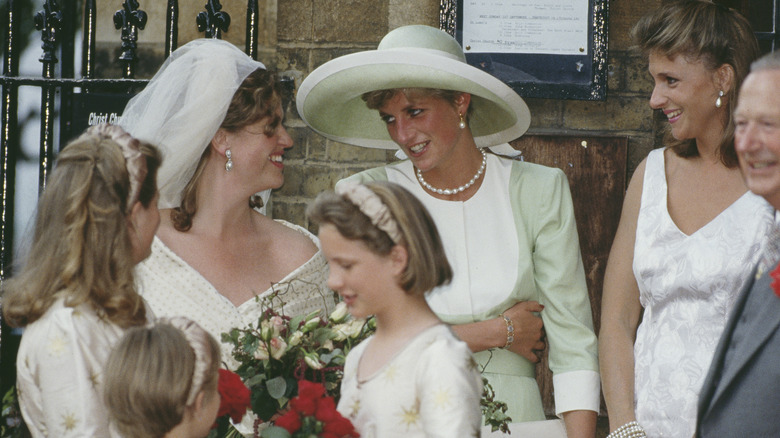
462,124
229,163
718,101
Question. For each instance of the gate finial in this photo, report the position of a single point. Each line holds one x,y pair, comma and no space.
129,19
49,22
214,20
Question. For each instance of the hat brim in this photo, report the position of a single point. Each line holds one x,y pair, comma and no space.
329,99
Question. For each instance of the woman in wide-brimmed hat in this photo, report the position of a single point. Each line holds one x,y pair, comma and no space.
508,226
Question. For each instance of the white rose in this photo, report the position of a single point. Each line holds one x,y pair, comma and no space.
339,313
262,352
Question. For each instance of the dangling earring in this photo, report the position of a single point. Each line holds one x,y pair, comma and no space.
462,124
229,163
718,101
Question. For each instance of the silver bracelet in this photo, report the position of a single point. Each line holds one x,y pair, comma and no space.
632,429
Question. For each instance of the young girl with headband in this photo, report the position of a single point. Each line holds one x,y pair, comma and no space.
161,381
413,377
75,296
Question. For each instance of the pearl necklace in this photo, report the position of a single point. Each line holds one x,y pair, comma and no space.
459,189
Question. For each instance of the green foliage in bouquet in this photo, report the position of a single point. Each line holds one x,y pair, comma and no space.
12,425
278,351
494,411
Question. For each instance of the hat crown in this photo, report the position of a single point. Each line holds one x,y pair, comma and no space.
422,37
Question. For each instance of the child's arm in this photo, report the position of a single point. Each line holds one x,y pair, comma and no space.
449,387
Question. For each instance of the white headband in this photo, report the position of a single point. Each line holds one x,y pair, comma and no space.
199,342
131,151
370,205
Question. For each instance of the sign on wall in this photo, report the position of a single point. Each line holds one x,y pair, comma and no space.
541,48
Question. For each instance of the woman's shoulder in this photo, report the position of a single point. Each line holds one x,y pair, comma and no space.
441,344
294,234
292,240
527,171
62,322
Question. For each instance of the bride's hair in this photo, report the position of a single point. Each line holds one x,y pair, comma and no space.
257,98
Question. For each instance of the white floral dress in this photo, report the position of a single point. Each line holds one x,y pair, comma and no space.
60,372
431,388
688,285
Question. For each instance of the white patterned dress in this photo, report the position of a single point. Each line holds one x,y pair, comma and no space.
431,388
60,372
172,287
687,286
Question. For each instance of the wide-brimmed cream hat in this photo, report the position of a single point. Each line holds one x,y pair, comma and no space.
329,99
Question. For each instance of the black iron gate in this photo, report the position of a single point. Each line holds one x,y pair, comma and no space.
63,95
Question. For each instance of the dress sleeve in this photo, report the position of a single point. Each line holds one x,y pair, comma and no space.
560,280
67,357
450,389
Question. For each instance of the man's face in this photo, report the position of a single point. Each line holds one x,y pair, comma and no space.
757,134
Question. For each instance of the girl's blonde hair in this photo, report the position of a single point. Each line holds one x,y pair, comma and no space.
81,248
150,374
427,265
708,32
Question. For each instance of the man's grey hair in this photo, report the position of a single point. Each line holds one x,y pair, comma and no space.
770,61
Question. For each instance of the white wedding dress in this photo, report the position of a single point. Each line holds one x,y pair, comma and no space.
688,285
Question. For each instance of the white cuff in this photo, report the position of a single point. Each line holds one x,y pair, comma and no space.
576,390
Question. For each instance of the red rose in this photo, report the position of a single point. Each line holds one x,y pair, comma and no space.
290,421
310,390
304,406
340,427
775,274
234,396
326,409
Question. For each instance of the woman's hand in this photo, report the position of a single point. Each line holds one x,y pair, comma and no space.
529,329
491,333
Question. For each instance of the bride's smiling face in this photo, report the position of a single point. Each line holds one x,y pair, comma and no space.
258,157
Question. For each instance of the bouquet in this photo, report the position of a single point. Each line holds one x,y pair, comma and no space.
278,352
312,413
279,356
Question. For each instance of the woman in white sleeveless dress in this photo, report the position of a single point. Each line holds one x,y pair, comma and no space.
690,232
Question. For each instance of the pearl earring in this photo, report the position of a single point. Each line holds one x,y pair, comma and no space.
229,163
718,101
462,124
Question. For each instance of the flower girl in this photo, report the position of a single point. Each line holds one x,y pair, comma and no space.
75,296
162,381
413,377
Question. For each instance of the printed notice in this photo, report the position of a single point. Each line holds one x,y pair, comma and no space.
558,27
